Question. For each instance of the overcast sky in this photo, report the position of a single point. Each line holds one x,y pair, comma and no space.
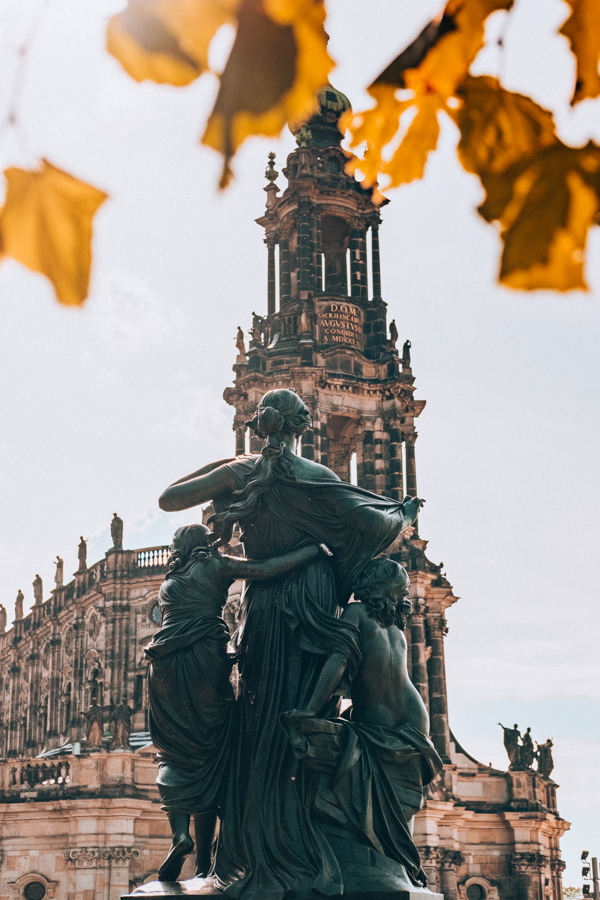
101,408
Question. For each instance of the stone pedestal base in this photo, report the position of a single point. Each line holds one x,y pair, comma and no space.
200,887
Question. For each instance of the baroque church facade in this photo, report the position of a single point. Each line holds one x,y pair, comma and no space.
84,823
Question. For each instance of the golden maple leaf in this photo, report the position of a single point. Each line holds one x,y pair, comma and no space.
432,68
277,63
582,28
167,41
545,204
46,224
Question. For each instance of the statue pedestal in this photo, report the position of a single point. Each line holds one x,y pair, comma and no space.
201,887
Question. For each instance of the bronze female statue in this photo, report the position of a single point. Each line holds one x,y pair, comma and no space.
269,842
190,694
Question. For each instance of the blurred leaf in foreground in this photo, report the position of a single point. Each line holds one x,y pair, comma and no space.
46,225
277,63
167,41
582,28
431,68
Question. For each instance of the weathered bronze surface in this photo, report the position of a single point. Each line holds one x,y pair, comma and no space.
310,804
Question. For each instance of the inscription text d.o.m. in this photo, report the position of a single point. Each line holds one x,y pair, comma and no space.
340,323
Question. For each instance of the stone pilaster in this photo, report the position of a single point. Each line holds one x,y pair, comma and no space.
396,474
419,651
450,861
270,277
375,263
431,858
436,671
285,271
527,868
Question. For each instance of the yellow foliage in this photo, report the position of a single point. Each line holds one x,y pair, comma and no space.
167,41
498,127
46,225
582,28
277,63
432,68
545,206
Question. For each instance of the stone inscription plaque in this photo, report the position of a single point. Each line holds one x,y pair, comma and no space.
340,323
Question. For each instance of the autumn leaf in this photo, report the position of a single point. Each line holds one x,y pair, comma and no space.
582,28
46,225
498,127
167,41
431,68
545,205
277,63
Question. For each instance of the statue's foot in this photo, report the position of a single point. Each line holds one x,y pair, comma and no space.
171,868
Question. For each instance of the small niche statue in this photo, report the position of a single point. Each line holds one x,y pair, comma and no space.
527,751
239,342
59,574
116,532
82,554
544,758
95,724
120,725
19,605
38,590
511,744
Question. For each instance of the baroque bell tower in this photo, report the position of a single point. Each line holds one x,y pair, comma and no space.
325,333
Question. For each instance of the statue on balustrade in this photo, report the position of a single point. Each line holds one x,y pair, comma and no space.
38,590
511,745
544,758
116,532
239,342
3,619
19,605
527,751
393,331
406,354
275,840
59,574
120,725
94,717
82,554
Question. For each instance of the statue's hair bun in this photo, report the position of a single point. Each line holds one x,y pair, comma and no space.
269,421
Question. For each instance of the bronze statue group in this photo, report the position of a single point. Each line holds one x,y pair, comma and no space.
309,802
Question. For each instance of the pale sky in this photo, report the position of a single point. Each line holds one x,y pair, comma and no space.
101,408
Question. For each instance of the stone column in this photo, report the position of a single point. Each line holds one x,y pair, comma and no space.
240,440
411,470
366,474
323,440
304,248
430,862
380,446
270,278
526,876
557,867
418,650
285,283
451,860
375,264
396,476
308,444
436,671
318,257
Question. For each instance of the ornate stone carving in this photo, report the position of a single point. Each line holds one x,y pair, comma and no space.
95,857
451,859
528,863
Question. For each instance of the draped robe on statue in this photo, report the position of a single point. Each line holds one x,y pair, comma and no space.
270,843
191,698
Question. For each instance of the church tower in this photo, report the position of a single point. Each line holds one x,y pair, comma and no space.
483,834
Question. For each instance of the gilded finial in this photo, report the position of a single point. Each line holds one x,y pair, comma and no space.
271,172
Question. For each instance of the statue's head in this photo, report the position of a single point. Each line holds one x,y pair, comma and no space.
383,588
280,412
185,540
